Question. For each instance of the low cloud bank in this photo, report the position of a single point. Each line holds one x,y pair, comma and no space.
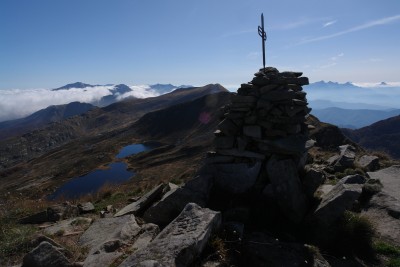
19,103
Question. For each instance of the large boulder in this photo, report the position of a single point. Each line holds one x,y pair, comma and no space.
164,211
45,255
371,163
143,203
286,188
312,179
181,242
345,159
333,205
123,228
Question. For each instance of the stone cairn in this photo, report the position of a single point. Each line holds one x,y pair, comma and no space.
261,141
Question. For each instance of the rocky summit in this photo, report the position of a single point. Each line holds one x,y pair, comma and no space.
261,142
277,188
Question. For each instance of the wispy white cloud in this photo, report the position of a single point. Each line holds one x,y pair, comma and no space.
333,61
329,23
364,26
297,23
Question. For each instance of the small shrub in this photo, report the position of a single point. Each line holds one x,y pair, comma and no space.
386,249
355,235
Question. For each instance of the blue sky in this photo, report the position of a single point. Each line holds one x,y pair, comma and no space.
48,43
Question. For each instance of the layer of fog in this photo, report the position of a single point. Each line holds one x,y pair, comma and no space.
19,103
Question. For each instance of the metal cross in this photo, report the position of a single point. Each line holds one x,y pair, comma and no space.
263,35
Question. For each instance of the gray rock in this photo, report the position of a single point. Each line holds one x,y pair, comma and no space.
45,255
353,179
104,255
268,88
384,207
243,99
68,226
346,157
279,95
371,163
147,234
312,179
341,198
390,179
287,188
164,211
236,178
182,241
102,230
291,145
143,203
86,207
62,211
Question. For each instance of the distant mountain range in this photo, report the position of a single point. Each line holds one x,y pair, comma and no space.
353,118
350,96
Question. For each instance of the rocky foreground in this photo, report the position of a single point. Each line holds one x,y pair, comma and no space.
276,190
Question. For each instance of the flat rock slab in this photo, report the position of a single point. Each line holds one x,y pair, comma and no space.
384,207
68,226
143,203
102,230
181,242
390,179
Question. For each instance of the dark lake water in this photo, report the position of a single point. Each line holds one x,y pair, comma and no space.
92,182
114,174
132,149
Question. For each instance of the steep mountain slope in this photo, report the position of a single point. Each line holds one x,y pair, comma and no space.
381,136
41,118
93,123
353,118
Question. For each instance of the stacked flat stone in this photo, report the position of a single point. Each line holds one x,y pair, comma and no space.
263,128
265,117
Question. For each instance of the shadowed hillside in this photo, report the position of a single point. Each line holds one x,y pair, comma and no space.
381,136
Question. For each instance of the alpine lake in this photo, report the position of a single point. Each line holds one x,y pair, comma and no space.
115,173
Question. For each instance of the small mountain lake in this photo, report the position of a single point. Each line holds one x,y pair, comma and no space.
115,173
